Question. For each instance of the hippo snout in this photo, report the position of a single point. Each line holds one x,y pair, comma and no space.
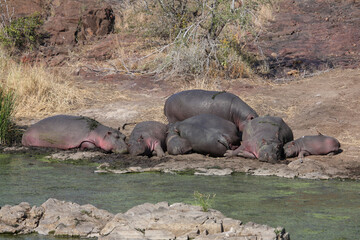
270,153
120,150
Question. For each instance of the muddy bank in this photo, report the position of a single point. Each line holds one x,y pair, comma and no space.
311,167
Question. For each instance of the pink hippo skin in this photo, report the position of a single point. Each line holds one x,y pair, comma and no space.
186,104
148,138
312,145
263,138
66,132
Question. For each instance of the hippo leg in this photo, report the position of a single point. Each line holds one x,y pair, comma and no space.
239,152
85,145
224,142
159,151
245,154
303,153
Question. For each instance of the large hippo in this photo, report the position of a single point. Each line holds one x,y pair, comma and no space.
204,133
312,145
263,138
66,132
148,137
185,104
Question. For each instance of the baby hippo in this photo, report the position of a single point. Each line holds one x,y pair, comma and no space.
148,137
312,145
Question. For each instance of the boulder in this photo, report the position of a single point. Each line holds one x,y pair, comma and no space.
19,219
70,219
145,221
74,20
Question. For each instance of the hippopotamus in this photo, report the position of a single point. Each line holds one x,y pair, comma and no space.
66,132
185,104
148,137
263,138
204,133
312,145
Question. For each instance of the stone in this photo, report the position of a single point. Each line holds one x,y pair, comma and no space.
19,219
70,219
213,172
159,234
145,221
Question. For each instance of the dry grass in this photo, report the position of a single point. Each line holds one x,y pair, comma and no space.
39,91
264,15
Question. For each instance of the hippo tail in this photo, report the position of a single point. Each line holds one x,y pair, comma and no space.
125,124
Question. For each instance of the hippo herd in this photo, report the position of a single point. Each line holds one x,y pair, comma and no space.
215,123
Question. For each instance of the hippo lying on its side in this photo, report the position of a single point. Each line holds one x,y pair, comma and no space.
263,138
66,132
312,145
186,104
204,133
148,137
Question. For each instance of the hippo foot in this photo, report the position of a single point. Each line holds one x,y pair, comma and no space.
229,153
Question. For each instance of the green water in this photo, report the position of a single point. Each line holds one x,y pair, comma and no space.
308,209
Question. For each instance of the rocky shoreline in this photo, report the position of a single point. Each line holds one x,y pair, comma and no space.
145,221
311,167
307,168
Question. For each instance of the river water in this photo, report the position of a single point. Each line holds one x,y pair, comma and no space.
308,209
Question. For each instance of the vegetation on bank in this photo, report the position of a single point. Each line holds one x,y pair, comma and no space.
7,130
204,200
200,37
38,89
21,33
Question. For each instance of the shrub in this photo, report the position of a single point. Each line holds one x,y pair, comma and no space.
205,37
204,200
7,130
22,33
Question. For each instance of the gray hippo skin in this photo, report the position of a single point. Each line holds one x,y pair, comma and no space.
312,145
263,138
66,132
186,104
204,133
148,137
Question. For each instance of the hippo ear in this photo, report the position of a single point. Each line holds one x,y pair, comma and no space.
140,138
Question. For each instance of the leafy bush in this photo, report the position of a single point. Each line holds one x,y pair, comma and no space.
22,33
7,131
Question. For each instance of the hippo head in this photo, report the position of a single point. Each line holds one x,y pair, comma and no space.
177,145
137,146
114,141
290,149
271,153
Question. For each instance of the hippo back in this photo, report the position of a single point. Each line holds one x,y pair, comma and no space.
186,104
60,131
66,131
209,134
